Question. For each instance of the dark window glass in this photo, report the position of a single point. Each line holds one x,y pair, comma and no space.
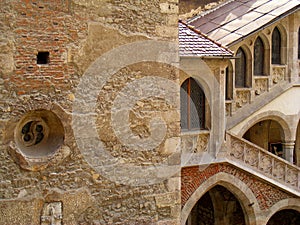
240,68
299,43
228,90
192,105
259,57
276,46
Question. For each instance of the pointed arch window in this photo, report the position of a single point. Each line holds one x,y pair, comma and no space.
240,68
192,105
276,46
259,57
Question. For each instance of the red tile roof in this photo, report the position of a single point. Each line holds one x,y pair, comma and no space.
236,19
193,43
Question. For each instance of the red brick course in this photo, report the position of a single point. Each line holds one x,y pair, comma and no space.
193,177
43,26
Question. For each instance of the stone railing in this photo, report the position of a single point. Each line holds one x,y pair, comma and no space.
260,85
262,161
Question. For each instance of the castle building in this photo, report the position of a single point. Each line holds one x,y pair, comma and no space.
118,112
255,104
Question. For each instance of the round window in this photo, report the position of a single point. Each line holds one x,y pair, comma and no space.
39,133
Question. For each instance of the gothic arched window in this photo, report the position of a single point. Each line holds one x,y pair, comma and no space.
276,46
240,68
192,105
259,57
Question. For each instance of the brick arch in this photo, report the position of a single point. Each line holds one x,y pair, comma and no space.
291,203
237,187
269,115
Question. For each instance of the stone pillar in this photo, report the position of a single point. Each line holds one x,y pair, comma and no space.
288,151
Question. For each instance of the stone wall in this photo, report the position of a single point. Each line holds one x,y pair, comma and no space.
186,6
44,182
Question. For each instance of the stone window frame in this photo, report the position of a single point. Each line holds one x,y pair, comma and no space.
247,74
276,42
202,106
229,82
259,57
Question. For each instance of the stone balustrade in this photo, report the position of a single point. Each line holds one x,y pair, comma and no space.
262,161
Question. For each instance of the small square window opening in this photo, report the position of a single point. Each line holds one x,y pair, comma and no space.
42,58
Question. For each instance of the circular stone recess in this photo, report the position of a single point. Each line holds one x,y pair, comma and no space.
39,134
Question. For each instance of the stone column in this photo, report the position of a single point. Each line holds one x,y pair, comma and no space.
288,150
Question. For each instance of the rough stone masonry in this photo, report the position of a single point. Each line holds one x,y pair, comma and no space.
46,47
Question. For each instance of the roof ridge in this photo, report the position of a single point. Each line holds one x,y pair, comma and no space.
205,36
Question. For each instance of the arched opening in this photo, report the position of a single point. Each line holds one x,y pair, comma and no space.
267,134
240,69
192,105
217,206
285,217
276,46
259,57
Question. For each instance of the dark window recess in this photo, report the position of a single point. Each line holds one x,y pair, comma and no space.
192,105
240,69
42,58
228,90
259,57
299,43
276,46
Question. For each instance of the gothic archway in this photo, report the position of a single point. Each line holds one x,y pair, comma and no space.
217,206
267,134
285,217
238,188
